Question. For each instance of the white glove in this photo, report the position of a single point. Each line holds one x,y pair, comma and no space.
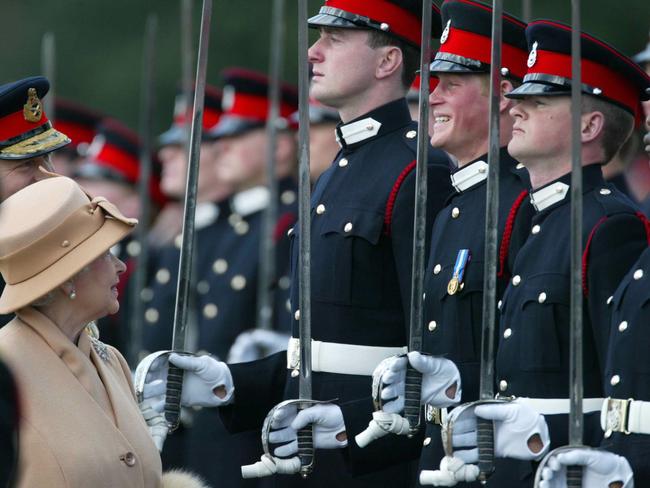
250,345
268,466
326,418
452,471
156,422
382,423
600,469
203,374
438,375
514,424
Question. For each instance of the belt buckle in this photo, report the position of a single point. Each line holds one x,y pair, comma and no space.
433,414
616,419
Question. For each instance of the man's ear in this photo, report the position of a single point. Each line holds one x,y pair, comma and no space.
505,103
390,61
593,124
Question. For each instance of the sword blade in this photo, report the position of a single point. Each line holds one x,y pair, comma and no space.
267,243
413,382
48,67
488,337
147,104
187,61
175,376
305,436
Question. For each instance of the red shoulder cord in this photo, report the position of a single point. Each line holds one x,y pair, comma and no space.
507,233
390,205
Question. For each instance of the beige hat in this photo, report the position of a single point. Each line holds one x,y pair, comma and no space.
49,231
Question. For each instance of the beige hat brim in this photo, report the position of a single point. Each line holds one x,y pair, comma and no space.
22,294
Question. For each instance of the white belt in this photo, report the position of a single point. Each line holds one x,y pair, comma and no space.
628,416
331,357
557,406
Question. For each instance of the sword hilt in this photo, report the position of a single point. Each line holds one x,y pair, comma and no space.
173,397
485,442
306,448
412,393
574,476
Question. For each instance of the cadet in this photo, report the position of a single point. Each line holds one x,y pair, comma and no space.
362,230
533,351
226,302
27,138
460,114
80,124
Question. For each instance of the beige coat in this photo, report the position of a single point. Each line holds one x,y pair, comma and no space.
80,424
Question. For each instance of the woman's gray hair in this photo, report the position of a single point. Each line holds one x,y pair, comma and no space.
49,297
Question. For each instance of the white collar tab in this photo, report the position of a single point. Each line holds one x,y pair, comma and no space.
469,176
357,131
549,195
249,201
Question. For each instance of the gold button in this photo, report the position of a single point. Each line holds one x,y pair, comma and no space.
507,333
616,379
622,326
455,212
133,248
412,134
559,188
638,274
220,266
65,243
535,229
128,458
516,279
294,373
146,295
519,166
343,162
320,210
499,304
432,325
426,441
288,197
163,276
151,315
238,282
605,191
203,287
436,269
233,218
284,283
296,315
178,241
542,297
503,385
369,127
241,227
290,231
609,300
348,227
210,311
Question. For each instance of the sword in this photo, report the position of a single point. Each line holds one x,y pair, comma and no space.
267,243
413,380
574,473
306,435
187,57
527,10
485,428
175,375
48,66
147,104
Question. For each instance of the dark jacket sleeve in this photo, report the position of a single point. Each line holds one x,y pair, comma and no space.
259,386
438,190
615,246
387,451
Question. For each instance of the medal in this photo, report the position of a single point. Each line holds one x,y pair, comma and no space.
456,281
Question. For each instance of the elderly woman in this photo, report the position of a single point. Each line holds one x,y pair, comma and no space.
80,425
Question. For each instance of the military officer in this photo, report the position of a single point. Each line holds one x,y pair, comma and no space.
27,138
80,124
533,350
459,120
362,231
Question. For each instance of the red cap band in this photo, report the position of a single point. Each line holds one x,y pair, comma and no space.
14,124
120,160
256,107
77,133
210,118
475,46
613,85
400,21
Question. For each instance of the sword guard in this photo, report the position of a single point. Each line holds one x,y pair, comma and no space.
573,473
